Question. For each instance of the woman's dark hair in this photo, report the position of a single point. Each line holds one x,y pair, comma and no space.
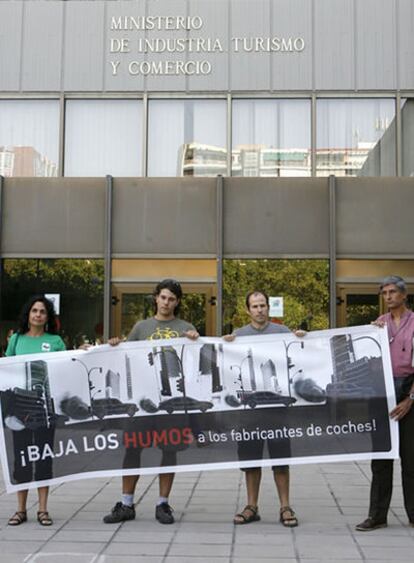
174,287
51,324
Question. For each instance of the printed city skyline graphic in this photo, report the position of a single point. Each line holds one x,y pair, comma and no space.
177,406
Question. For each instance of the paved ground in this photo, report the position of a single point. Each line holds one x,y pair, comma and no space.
329,500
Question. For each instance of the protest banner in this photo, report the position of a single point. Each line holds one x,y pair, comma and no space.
180,405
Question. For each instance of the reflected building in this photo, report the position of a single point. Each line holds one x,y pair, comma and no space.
343,162
262,161
195,159
200,160
25,161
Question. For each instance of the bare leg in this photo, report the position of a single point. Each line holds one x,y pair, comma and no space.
43,493
129,482
282,485
165,481
22,500
253,478
250,512
287,515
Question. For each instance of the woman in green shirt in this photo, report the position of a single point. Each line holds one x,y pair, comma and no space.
37,333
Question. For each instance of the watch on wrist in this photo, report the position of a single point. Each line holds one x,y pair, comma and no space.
411,396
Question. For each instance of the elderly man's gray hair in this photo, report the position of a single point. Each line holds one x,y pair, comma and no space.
394,280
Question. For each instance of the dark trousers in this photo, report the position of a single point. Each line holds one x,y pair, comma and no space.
382,472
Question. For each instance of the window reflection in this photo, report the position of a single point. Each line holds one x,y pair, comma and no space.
303,284
79,282
103,137
407,124
187,138
271,138
29,137
355,137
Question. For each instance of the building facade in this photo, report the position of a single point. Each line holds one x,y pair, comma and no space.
203,139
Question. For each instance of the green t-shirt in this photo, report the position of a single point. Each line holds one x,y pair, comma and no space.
152,329
23,344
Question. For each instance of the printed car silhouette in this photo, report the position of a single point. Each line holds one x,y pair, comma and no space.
254,398
184,404
108,406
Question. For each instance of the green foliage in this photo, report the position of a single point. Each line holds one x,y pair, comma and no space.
304,285
86,276
78,281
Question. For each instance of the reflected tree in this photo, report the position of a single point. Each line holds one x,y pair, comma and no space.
303,284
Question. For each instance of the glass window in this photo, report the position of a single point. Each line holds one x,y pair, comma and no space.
407,124
29,137
187,138
303,284
79,282
271,138
355,137
103,137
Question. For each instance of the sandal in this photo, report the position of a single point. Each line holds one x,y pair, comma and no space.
288,517
18,518
44,519
248,514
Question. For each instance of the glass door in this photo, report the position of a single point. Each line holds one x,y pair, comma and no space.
134,302
360,304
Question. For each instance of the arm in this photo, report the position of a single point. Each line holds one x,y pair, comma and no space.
11,346
403,407
60,346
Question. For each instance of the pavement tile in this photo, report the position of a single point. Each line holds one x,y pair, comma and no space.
209,527
132,559
72,547
139,549
25,533
19,546
381,553
330,559
378,540
258,551
88,515
200,550
202,538
145,536
320,531
262,527
261,560
61,557
205,517
92,525
264,539
194,559
83,536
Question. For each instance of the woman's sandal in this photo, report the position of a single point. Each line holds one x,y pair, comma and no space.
248,514
18,518
44,519
288,517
